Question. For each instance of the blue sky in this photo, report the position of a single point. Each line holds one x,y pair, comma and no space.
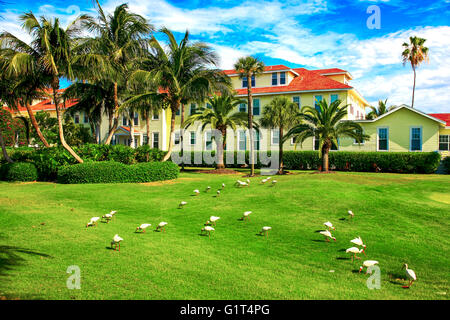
301,33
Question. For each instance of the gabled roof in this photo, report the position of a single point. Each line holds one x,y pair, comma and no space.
127,129
442,116
404,106
278,67
305,81
332,71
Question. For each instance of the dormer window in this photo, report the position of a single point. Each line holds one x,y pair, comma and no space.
282,78
245,82
274,79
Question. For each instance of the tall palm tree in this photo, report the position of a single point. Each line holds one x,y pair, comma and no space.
220,118
184,72
280,113
380,110
325,123
248,67
50,50
120,40
415,53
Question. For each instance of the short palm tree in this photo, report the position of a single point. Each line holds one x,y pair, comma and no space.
415,53
280,113
382,108
248,67
50,51
220,117
325,123
120,40
183,71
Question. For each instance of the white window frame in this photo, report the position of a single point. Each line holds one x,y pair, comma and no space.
448,142
239,140
175,138
410,138
378,139
362,143
299,101
255,135
190,138
272,136
206,140
155,116
285,78
153,140
272,78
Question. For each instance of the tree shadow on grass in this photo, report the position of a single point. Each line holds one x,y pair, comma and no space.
343,258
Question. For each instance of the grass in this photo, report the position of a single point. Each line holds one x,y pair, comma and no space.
401,218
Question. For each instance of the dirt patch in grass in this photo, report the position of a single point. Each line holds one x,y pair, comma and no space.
219,171
440,197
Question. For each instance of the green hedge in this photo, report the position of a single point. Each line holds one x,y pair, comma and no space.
18,171
446,162
397,162
116,172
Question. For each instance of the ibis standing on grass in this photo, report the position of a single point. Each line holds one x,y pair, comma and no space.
143,226
367,264
327,234
354,251
116,241
246,215
93,222
265,231
161,226
351,214
410,274
182,204
196,192
207,229
358,241
212,220
329,225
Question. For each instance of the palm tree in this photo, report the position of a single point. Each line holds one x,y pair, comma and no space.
219,117
325,123
380,110
183,72
249,67
414,52
281,113
50,50
119,42
7,99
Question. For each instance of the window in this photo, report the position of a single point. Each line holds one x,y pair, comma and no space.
124,121
296,100
351,109
155,116
317,100
245,82
362,141
208,140
242,140
444,142
275,137
383,139
192,110
85,118
177,138
416,139
256,107
243,107
76,119
178,112
156,140
257,139
136,118
274,79
282,77
145,139
193,138
334,97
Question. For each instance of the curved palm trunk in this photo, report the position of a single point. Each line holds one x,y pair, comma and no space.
414,87
5,153
132,143
55,88
221,145
181,136
325,152
147,121
250,123
36,126
115,116
173,108
280,153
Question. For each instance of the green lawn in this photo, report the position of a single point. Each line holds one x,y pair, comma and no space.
401,218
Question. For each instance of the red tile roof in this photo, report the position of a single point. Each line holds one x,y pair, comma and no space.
441,116
47,105
327,71
127,129
266,69
305,81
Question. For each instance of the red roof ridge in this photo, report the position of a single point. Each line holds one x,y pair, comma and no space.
441,116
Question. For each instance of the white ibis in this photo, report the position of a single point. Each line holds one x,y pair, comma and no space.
182,204
242,184
263,181
268,178
247,215
355,251
367,264
143,226
410,274
93,222
208,188
207,229
265,231
351,214
218,193
327,234
274,182
329,225
116,241
212,220
196,192
223,185
113,214
107,217
161,226
358,241
248,181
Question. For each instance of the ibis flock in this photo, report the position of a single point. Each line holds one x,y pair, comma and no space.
360,248
209,228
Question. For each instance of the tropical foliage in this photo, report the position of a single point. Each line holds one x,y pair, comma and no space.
382,108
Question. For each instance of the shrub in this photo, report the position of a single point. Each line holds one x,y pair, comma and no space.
146,154
115,172
446,163
19,171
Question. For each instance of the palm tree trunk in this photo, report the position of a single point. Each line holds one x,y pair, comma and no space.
92,126
5,153
147,120
173,108
132,144
115,116
414,87
55,88
325,152
36,126
221,144
181,136
280,153
250,123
